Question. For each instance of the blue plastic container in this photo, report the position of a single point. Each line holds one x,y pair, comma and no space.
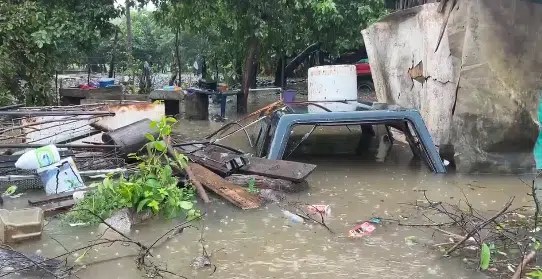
288,96
106,82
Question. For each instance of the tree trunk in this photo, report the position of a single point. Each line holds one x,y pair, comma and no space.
289,70
178,53
114,54
173,71
253,54
255,69
176,69
128,28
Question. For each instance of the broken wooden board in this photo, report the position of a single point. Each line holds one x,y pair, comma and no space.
263,182
287,170
214,158
53,198
54,208
229,191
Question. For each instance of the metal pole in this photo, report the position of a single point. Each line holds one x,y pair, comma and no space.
10,178
38,145
282,71
11,106
55,113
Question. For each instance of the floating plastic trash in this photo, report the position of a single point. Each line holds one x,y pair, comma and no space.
362,230
38,158
61,177
293,217
322,209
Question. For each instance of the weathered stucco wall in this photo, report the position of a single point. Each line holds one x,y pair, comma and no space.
406,41
482,84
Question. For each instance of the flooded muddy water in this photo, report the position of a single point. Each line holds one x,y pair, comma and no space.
262,243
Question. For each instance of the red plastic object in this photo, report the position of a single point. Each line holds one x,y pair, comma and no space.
363,69
322,209
362,230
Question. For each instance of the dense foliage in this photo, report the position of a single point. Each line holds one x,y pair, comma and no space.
151,187
38,37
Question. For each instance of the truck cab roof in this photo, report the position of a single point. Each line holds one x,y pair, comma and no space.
276,129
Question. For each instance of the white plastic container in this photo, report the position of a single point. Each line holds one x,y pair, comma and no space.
292,217
22,224
332,83
61,177
38,158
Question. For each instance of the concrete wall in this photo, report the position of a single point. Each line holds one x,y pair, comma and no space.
479,90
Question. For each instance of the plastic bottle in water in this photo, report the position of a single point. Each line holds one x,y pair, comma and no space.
38,158
293,217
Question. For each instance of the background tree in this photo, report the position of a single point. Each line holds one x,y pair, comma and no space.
244,34
39,37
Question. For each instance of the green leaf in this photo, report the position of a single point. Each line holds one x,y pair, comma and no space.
485,257
160,146
141,204
535,274
171,120
186,205
150,137
166,131
154,205
10,190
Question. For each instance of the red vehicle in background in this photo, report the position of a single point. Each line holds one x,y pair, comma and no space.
365,80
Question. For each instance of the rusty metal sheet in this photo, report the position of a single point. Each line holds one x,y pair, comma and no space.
57,129
126,114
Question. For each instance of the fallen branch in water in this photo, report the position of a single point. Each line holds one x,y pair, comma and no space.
521,267
150,268
478,227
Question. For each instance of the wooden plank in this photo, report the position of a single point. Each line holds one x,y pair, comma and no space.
85,93
212,157
263,182
53,198
57,207
287,170
229,191
118,96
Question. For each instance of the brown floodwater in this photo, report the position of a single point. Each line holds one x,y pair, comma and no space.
262,243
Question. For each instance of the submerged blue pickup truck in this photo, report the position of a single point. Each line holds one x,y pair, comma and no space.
274,135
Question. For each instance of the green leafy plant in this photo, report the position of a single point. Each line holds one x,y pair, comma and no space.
152,187
252,186
537,274
485,256
10,190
